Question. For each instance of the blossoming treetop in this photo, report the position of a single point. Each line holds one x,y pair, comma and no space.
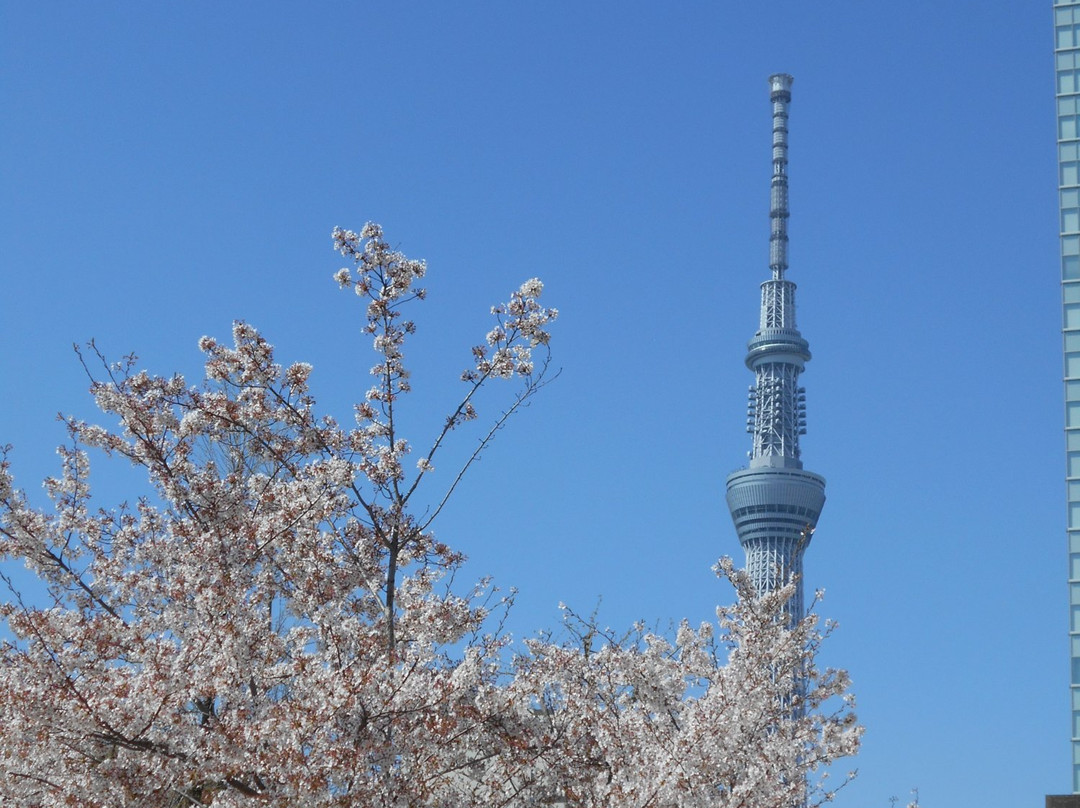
271,622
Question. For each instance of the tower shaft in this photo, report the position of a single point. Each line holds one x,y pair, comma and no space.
774,503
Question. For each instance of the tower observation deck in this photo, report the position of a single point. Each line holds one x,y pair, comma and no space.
775,503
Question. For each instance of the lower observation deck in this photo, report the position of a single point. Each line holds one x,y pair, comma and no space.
775,511
780,497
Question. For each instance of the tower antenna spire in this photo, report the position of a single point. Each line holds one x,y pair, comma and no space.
780,94
775,503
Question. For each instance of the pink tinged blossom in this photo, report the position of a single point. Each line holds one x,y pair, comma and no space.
297,375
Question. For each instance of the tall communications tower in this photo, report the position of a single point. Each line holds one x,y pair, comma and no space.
775,503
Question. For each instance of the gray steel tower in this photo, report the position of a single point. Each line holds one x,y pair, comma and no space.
775,503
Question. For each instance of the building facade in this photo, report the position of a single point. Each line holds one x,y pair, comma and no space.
1067,66
775,503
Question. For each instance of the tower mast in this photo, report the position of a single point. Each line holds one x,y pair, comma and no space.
775,503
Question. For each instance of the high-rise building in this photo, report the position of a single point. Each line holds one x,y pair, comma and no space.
1067,65
774,502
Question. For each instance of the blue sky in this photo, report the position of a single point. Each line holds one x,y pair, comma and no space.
166,168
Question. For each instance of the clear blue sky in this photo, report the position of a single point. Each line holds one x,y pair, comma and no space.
166,168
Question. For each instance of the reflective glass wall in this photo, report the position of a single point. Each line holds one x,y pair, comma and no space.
1067,65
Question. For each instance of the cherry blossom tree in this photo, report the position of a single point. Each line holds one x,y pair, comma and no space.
273,622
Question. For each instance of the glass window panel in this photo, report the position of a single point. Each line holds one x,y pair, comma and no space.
1066,106
1068,173
1070,198
1074,575
1076,720
1062,15
1075,624
1074,492
1076,699
1074,648
1072,342
1075,676
1070,268
1074,542
1070,293
1064,36
1068,151
1066,82
1072,367
1072,391
1072,441
1072,418
1070,245
1074,516
1070,220
1074,594
1072,315
1073,464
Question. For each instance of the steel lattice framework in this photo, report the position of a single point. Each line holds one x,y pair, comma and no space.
775,503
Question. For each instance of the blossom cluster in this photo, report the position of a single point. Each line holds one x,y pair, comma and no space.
521,326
